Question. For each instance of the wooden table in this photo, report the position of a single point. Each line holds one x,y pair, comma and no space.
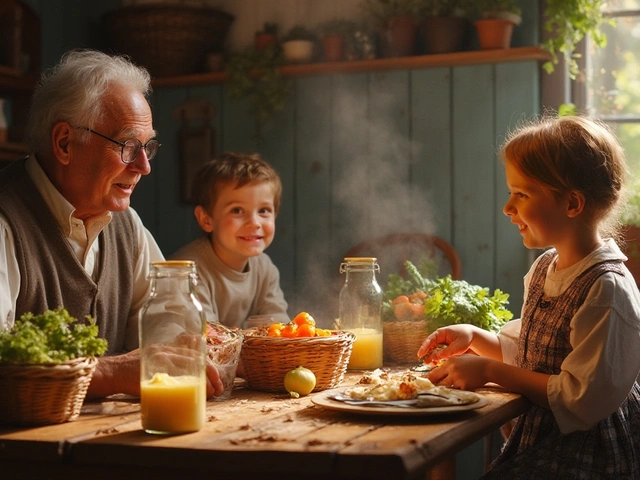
252,435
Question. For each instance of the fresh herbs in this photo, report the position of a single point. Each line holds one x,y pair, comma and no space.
448,301
52,337
456,301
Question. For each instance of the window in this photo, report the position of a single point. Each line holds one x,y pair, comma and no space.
610,89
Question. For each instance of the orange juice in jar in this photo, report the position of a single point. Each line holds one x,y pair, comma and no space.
366,352
361,311
173,404
172,351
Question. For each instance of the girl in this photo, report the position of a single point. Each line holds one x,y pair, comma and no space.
575,352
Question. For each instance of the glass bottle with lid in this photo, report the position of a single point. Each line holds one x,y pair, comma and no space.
172,351
360,311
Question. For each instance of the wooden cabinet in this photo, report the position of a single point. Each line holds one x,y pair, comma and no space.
20,58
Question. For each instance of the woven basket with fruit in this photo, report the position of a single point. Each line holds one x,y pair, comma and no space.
416,306
270,352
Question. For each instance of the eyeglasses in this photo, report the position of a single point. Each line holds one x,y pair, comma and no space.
131,148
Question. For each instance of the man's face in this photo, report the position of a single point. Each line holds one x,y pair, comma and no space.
95,180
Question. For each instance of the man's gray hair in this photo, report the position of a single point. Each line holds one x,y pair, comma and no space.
72,92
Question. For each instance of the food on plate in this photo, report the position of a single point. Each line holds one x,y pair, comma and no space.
299,382
382,386
302,325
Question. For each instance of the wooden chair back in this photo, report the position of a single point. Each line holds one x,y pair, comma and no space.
394,249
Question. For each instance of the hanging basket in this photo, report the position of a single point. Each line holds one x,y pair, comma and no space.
169,40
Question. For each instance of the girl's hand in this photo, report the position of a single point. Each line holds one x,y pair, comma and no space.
466,372
457,339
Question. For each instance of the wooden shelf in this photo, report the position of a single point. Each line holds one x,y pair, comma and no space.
383,64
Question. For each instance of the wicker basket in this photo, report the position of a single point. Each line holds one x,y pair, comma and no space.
266,360
167,39
44,394
401,341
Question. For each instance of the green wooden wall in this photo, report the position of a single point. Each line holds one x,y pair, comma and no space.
361,155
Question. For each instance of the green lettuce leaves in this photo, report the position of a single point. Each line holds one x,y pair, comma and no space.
52,337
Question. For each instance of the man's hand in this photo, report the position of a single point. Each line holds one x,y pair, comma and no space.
214,384
121,374
117,374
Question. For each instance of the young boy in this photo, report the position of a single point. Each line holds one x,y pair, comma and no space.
237,199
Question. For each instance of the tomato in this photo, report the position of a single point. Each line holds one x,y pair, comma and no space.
303,318
300,381
289,330
275,330
306,330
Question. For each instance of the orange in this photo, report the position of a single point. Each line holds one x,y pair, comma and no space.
306,330
302,318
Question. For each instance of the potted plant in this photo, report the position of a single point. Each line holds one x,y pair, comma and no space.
496,21
255,75
630,220
334,35
267,37
298,44
396,23
444,25
568,23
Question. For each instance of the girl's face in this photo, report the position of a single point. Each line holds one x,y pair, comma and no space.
539,215
241,223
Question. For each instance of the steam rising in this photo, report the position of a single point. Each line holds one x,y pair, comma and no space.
373,192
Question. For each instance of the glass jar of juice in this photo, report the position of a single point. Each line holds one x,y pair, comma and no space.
172,351
360,311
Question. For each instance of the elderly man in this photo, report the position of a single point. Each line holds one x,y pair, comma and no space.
67,234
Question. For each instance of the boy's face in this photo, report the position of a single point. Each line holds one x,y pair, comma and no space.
241,223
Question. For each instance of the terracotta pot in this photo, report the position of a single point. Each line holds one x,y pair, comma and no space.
298,51
398,37
333,47
632,251
265,40
494,33
444,34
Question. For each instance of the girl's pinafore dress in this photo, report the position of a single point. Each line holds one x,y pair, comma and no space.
536,449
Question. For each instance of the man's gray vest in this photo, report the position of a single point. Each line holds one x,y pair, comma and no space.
50,274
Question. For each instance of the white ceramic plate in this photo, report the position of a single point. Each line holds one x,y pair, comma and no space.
325,399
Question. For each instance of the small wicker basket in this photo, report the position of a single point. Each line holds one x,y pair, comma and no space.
167,39
44,394
266,360
401,341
